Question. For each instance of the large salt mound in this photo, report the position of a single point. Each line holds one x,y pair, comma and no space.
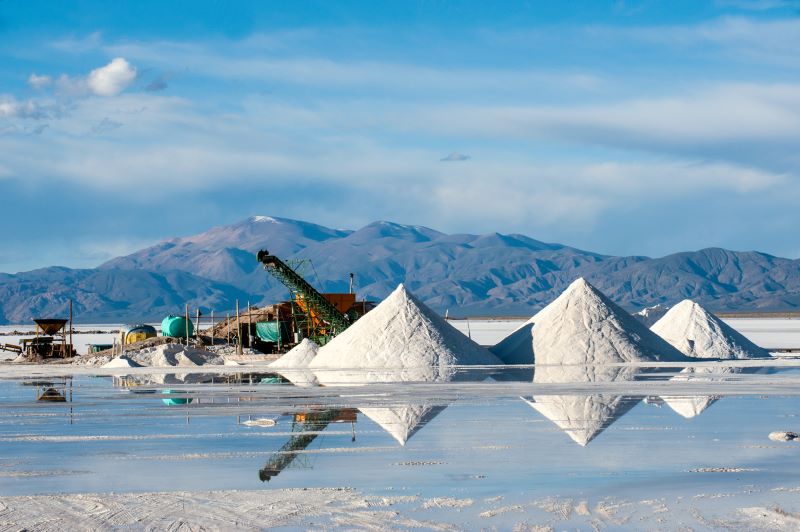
294,364
698,333
583,326
649,315
399,340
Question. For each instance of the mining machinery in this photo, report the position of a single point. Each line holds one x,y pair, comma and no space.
317,316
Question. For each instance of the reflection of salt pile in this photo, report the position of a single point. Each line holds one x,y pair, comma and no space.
700,334
648,316
583,326
404,421
294,364
582,417
399,340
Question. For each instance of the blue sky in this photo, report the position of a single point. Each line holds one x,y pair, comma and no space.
627,127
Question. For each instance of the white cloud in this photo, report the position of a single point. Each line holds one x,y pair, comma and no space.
111,79
39,82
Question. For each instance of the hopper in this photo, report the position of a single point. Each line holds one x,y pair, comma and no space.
50,326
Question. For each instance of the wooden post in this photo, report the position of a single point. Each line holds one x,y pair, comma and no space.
70,328
212,326
228,323
197,325
249,326
238,330
187,323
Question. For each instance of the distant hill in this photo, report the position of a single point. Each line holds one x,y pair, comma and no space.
467,274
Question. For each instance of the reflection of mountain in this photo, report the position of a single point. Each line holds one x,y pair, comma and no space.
582,417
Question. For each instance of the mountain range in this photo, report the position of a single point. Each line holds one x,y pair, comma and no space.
491,274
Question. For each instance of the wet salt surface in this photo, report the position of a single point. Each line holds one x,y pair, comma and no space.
481,455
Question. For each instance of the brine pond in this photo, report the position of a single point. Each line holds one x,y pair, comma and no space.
588,448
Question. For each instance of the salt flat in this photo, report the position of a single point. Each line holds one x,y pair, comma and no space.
126,450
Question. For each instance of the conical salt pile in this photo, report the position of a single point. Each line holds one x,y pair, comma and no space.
649,315
294,364
698,333
582,417
402,422
399,340
583,326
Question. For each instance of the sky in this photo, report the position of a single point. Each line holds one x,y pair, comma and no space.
625,127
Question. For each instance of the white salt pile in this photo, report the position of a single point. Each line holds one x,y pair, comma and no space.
399,340
649,315
582,417
121,362
583,326
294,364
698,333
402,422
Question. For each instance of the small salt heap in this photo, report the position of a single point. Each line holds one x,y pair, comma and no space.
649,315
583,326
294,364
399,340
698,333
121,362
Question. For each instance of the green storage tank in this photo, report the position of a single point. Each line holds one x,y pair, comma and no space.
175,327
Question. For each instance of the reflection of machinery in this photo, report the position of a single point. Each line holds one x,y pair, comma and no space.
52,391
50,340
308,425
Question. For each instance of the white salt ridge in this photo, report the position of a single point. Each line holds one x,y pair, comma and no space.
294,364
698,333
649,315
582,417
399,340
583,326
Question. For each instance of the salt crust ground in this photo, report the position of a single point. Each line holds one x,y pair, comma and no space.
349,509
